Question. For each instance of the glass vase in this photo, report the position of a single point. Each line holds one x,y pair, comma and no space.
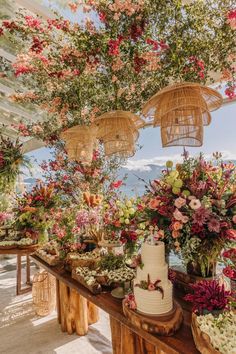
43,236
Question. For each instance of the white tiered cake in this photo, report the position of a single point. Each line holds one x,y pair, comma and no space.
153,302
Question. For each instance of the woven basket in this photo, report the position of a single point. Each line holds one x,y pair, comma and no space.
185,94
80,141
44,293
118,130
182,110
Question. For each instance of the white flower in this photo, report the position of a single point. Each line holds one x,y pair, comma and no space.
195,204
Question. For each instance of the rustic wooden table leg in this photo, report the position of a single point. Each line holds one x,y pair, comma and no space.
93,313
18,275
73,311
28,282
116,335
58,301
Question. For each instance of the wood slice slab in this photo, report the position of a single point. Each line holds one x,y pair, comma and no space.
165,325
201,339
30,247
8,247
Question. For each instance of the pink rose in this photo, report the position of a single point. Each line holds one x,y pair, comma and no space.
178,215
177,226
234,219
151,287
175,234
180,202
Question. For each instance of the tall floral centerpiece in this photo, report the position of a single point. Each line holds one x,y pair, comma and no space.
34,212
11,160
193,208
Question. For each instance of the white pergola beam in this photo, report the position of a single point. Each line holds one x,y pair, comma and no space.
36,8
32,144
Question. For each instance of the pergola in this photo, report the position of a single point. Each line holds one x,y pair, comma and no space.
10,112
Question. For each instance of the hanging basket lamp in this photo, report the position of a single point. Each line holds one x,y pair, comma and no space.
80,141
118,130
181,110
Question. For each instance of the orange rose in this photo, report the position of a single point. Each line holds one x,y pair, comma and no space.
175,234
177,226
154,203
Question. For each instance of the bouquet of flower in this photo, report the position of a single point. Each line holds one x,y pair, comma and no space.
195,205
208,296
34,212
11,159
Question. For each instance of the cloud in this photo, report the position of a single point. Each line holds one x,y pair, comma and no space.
144,164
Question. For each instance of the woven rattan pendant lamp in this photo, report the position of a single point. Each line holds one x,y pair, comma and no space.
80,141
118,130
181,110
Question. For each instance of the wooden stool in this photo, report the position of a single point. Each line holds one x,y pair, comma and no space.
75,313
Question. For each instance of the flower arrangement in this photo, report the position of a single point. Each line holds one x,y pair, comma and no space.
208,296
35,209
229,257
221,330
11,160
120,55
192,209
130,301
148,285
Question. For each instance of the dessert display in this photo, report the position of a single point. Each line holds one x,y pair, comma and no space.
49,253
87,259
22,243
215,334
152,288
110,270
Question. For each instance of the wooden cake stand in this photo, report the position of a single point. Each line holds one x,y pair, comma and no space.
201,339
165,325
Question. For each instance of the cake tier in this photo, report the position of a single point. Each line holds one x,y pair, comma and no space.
151,302
155,273
153,254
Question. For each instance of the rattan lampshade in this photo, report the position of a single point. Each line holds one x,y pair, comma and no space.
118,130
80,141
181,110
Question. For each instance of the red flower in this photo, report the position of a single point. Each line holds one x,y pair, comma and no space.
229,272
116,184
102,17
230,91
114,46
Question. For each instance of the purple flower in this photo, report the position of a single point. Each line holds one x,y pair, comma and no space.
200,216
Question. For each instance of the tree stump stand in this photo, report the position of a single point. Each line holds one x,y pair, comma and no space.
75,313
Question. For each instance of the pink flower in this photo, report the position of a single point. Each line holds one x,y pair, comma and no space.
200,216
178,215
234,219
231,19
151,287
4,217
180,202
117,184
230,234
214,225
195,204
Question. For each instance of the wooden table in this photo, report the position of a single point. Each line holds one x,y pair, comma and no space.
19,254
127,339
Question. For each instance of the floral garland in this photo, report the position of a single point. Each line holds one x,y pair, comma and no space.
77,72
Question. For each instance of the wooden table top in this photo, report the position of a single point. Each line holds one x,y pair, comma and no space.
20,251
181,343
